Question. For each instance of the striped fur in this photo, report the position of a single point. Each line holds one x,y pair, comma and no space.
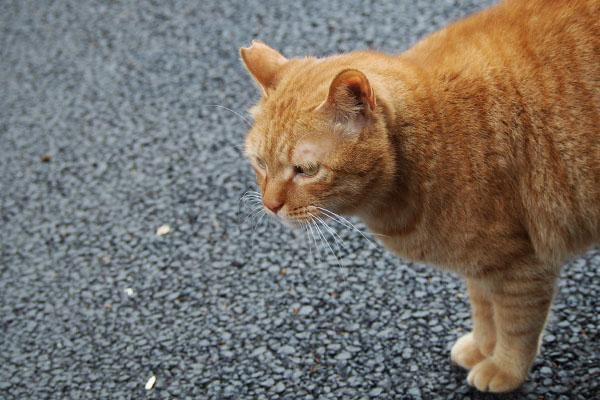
478,151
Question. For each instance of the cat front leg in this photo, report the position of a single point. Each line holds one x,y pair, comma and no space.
521,301
475,346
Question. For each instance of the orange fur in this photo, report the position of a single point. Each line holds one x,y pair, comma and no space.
477,150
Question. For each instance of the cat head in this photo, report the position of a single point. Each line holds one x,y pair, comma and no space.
318,140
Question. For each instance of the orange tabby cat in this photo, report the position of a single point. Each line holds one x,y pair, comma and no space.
476,150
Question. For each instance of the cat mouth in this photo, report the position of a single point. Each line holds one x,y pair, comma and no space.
302,217
298,218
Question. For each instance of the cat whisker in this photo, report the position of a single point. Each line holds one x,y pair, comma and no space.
255,226
255,213
229,109
250,194
250,200
305,225
343,221
324,240
250,197
312,233
333,233
338,240
252,215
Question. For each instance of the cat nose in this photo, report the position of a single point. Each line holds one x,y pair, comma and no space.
273,205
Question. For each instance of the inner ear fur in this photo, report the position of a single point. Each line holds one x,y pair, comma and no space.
351,88
351,99
263,63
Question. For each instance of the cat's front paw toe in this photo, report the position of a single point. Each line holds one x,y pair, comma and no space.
488,376
465,352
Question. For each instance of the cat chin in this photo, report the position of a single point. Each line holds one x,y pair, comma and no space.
290,223
287,222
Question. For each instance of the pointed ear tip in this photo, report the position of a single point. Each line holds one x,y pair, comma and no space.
350,77
253,46
352,73
255,43
250,46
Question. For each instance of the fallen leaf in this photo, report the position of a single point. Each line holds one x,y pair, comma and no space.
150,383
163,230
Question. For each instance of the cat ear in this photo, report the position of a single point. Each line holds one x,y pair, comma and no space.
263,63
351,99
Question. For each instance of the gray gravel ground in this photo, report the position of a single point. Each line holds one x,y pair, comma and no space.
106,134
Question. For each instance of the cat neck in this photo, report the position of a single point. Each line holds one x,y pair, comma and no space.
420,110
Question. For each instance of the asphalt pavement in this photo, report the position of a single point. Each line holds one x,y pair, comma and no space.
129,268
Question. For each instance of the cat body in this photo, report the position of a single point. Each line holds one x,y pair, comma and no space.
477,150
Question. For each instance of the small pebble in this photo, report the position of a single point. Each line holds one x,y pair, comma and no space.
163,230
150,383
286,350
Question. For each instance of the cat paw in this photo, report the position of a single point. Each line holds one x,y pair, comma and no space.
465,352
488,376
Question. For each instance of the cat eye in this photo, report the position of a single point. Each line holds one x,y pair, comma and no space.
261,163
308,170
